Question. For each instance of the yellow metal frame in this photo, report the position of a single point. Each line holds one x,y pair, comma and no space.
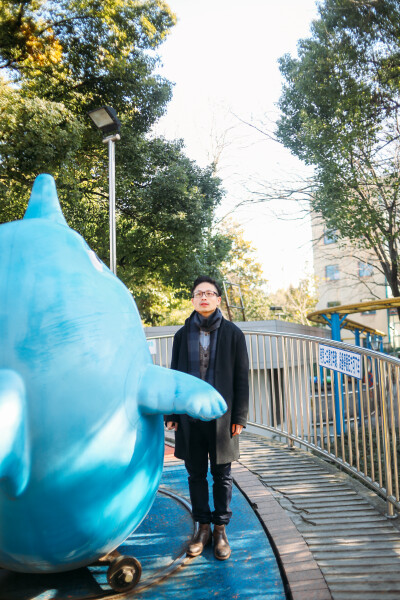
358,307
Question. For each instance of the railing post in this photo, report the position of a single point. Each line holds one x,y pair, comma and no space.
287,398
386,446
340,424
357,340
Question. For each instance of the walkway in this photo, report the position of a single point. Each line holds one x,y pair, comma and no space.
336,525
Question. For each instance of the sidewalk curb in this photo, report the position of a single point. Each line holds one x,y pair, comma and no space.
303,576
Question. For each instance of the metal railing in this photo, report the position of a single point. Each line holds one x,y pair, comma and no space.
352,421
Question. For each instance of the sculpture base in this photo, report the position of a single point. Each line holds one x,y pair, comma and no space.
159,544
159,555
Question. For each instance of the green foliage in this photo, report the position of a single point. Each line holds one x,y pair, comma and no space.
27,134
60,60
166,217
239,265
296,301
257,303
242,267
162,305
81,51
340,112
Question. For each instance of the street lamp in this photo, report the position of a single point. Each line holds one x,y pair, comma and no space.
106,120
276,310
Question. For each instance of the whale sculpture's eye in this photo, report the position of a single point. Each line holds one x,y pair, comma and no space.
94,259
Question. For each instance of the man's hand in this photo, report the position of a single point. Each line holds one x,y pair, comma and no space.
172,425
236,430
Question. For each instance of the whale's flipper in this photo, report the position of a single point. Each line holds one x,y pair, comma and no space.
14,446
43,203
164,391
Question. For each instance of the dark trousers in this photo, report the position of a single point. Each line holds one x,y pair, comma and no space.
201,446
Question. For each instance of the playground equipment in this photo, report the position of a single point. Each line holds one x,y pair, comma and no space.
336,318
81,403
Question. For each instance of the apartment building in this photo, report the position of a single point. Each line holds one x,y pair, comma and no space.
346,275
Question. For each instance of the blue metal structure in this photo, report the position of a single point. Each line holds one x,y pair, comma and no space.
81,403
336,318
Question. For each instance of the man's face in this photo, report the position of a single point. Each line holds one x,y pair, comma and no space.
203,304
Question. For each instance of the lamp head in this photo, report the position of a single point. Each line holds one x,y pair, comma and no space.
105,119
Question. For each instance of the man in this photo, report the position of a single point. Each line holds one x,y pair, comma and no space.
214,349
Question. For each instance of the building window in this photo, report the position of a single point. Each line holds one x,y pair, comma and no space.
368,312
332,272
333,304
330,236
364,269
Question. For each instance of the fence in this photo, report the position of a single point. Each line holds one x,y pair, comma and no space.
350,417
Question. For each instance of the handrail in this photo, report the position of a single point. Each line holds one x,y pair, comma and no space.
350,421
358,307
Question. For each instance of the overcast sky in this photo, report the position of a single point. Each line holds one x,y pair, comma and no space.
222,57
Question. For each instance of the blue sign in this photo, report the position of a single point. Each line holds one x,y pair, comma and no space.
343,361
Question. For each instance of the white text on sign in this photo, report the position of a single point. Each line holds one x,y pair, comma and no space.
343,361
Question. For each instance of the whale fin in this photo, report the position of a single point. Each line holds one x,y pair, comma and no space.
43,203
164,391
14,451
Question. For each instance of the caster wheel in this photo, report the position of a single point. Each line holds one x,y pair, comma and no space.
124,573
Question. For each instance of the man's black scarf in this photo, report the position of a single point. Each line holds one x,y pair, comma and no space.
211,325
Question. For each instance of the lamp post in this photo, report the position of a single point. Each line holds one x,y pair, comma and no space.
106,120
276,310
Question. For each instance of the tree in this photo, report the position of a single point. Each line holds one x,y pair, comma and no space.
340,112
162,305
61,59
296,301
171,306
166,225
242,268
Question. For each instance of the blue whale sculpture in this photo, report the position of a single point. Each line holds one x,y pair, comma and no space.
81,403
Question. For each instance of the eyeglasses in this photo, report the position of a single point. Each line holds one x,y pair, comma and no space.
207,294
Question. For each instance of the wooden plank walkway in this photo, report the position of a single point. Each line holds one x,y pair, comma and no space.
343,523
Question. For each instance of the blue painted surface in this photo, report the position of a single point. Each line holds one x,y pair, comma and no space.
81,403
335,321
250,574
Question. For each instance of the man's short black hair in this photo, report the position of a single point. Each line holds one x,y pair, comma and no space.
206,279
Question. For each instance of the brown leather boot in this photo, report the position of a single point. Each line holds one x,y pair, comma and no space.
201,539
222,549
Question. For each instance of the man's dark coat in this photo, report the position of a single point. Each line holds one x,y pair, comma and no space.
231,381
